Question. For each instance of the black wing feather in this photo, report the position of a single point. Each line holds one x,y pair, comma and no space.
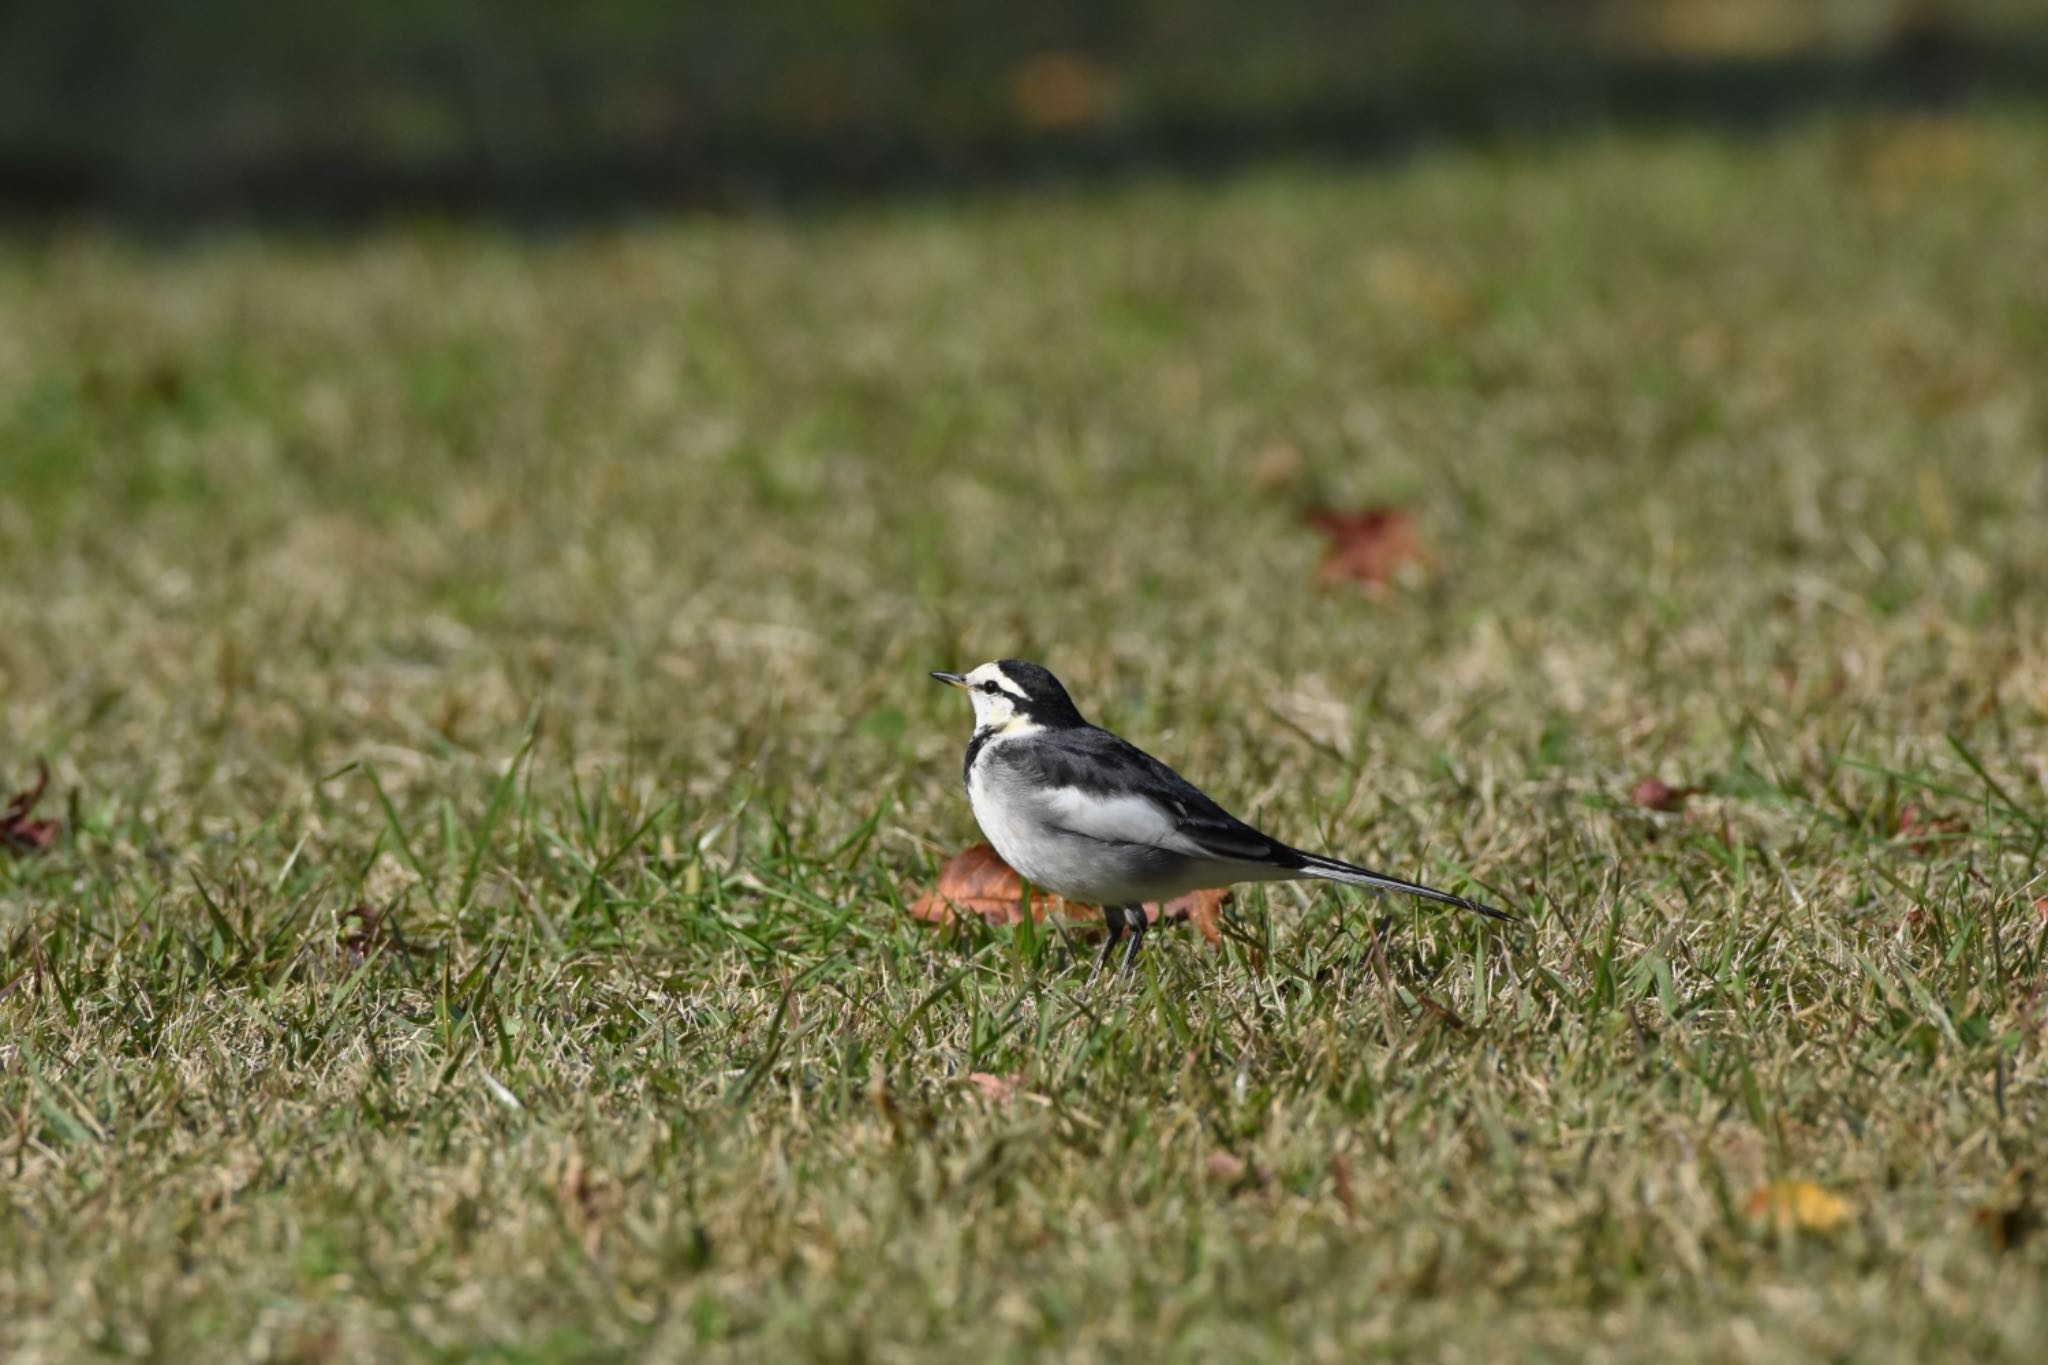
1093,760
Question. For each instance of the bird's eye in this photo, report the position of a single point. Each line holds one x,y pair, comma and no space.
990,688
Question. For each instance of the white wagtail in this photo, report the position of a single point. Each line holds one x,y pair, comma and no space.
1089,816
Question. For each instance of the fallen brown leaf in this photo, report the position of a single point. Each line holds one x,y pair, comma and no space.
1656,794
364,930
1341,1173
587,1198
1798,1205
976,881
1203,909
1367,547
1923,831
18,833
1001,1089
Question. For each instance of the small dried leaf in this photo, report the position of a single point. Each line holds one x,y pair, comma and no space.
1923,831
1655,794
1798,1205
1341,1174
1367,547
977,882
586,1198
1204,909
1000,1089
20,834
364,930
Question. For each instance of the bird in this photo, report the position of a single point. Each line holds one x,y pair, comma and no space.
1089,816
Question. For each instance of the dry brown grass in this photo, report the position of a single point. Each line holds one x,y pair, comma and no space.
567,605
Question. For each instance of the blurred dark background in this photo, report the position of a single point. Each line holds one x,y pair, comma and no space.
208,108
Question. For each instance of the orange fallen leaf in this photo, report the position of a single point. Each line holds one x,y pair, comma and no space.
1367,547
976,881
1203,909
1655,794
20,834
1798,1205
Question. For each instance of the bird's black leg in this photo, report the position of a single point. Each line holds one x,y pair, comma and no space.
1135,921
1113,916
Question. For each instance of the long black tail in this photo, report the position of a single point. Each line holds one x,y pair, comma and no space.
1330,869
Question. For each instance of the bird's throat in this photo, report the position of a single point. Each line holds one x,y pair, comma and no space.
1016,727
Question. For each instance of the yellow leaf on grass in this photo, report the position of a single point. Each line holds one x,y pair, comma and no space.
1798,1204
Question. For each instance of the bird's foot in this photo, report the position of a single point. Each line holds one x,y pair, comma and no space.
1137,924
1122,920
1113,917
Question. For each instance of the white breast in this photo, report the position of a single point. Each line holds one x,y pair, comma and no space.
1010,819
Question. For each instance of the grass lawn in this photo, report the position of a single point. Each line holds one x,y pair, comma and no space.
567,602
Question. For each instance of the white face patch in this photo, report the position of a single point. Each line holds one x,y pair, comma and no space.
996,701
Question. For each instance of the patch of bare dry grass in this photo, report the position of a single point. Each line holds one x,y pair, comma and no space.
565,607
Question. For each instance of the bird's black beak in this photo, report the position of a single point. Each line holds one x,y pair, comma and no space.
950,679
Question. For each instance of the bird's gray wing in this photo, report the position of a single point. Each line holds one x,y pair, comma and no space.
1094,784
1098,785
